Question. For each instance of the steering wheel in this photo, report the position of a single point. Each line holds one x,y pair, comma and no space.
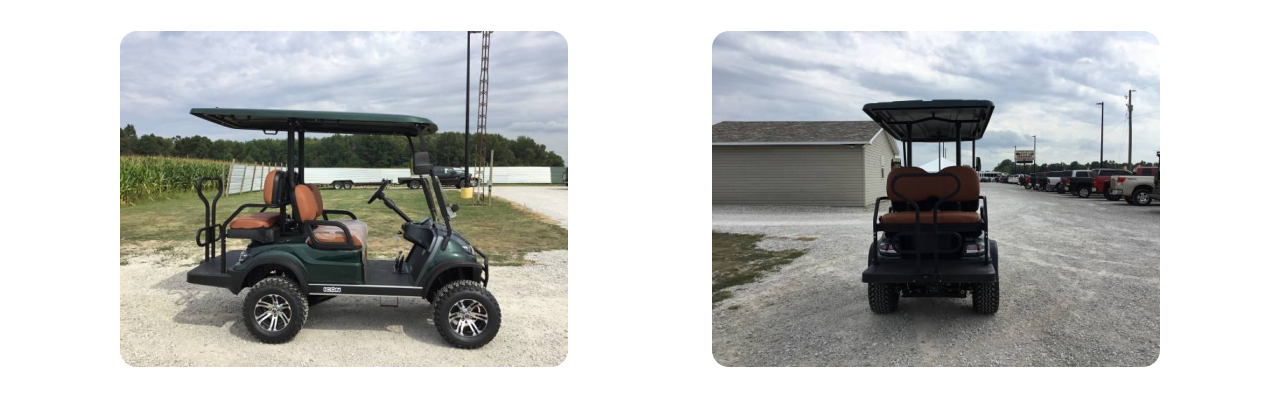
378,194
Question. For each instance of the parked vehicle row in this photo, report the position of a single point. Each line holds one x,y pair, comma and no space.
1139,187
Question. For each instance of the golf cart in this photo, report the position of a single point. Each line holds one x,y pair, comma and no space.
933,242
298,257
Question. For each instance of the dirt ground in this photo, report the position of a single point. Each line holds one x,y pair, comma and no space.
552,201
164,321
1080,286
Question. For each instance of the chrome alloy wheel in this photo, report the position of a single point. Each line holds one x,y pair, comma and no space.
272,312
468,317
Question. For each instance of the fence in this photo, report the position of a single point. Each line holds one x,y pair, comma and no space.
245,178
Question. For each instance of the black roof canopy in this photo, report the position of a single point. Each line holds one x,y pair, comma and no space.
317,121
932,121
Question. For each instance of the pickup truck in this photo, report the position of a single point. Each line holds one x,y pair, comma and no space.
1053,181
1102,181
1078,182
1140,188
449,176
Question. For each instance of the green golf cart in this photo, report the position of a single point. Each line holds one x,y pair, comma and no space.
301,254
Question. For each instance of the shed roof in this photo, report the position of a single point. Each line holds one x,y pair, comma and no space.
794,133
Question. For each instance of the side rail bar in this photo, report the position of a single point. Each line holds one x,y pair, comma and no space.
210,215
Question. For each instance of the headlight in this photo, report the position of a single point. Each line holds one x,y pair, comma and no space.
469,250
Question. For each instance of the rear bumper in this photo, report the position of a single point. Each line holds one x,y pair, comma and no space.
210,273
930,272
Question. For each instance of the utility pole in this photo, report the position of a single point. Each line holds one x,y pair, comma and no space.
1102,133
1130,98
466,130
1035,167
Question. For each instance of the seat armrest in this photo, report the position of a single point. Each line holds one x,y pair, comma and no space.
326,213
346,233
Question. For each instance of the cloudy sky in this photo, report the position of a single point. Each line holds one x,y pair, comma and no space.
1043,84
164,75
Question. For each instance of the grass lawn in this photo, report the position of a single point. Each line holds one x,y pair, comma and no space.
735,260
505,231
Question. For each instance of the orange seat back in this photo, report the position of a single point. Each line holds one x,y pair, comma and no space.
307,201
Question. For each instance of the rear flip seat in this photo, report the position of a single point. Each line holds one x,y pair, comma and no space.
262,220
926,190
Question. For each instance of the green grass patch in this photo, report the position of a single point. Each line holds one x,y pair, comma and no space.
736,260
505,231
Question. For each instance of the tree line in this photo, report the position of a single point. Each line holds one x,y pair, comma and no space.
341,150
1008,166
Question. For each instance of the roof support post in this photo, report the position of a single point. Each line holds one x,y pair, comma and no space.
910,148
302,156
288,171
958,146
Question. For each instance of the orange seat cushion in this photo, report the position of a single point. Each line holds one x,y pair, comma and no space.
944,217
260,220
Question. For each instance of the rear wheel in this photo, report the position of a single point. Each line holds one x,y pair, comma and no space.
337,186
883,297
1083,192
275,310
348,185
466,314
986,297
414,185
1108,195
1142,197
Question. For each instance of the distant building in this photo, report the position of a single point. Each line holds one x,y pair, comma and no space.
800,163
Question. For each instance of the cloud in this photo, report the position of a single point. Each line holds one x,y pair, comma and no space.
164,75
1043,83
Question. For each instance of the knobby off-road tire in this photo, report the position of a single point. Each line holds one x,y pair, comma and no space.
449,303
261,304
1142,197
883,297
986,296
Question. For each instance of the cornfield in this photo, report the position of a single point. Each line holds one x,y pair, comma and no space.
147,178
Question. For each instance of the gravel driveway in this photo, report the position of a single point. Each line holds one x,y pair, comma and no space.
552,201
1080,286
166,322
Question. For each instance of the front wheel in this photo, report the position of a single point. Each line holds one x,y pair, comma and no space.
275,310
466,314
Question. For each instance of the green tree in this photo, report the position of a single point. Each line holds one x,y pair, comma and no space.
151,144
128,140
